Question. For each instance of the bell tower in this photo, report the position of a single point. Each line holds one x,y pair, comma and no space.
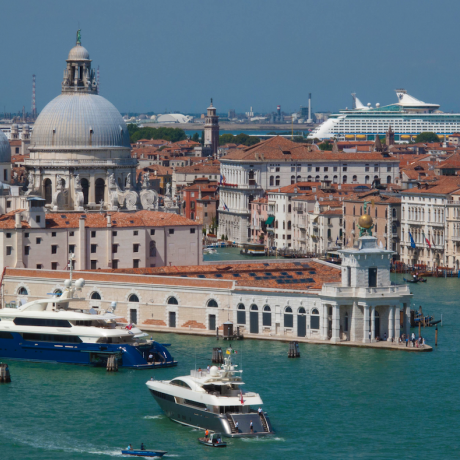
211,130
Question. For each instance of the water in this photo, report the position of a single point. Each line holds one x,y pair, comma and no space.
234,254
332,403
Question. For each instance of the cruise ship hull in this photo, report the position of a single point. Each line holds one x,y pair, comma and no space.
199,418
13,346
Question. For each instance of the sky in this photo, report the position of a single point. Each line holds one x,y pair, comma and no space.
174,55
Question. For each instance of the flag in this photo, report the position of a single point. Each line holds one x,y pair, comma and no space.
241,397
225,207
231,350
427,240
337,241
412,242
222,179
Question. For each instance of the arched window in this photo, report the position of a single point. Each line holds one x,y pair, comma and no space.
153,249
267,316
99,190
277,180
96,296
326,177
302,311
355,178
292,180
366,180
272,180
48,191
289,225
289,208
317,179
309,179
288,317
299,178
85,188
388,179
386,213
254,307
376,211
173,301
394,213
212,303
276,224
133,298
241,314
22,291
335,179
344,179
314,319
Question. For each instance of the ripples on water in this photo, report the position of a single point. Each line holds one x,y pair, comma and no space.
332,403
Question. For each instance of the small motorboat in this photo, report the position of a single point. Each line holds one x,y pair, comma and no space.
144,453
214,440
414,281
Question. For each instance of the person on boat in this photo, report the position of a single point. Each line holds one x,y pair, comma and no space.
251,427
236,427
150,358
206,434
413,339
259,410
142,446
130,447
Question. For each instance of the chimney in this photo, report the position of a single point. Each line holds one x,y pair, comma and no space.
17,220
109,220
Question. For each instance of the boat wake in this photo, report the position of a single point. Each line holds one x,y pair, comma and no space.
262,439
148,417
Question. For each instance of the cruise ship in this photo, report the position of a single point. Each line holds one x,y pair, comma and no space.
407,118
63,329
213,400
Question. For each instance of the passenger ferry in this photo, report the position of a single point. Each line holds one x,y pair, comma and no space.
407,118
60,329
212,400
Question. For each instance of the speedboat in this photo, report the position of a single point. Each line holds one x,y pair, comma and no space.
214,440
64,329
144,453
212,400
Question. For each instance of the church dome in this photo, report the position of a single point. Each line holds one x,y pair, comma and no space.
79,120
5,150
78,53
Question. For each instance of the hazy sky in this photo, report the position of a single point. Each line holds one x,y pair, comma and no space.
175,54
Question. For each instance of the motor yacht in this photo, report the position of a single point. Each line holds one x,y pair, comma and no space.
64,329
213,400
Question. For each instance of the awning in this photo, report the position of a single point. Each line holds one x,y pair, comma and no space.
270,220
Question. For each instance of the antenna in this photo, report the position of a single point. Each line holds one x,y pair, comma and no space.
34,109
97,80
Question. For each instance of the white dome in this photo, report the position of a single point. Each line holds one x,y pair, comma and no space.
74,120
5,150
78,53
173,118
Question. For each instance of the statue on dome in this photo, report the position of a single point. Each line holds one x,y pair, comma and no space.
79,37
77,181
145,178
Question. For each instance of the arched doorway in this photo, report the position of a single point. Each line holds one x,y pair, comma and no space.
301,322
48,186
85,188
99,191
254,319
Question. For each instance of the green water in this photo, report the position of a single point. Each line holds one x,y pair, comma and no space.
332,403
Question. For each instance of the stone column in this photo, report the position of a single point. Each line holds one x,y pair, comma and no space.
407,320
324,322
335,324
391,322
92,190
353,322
366,323
397,321
372,324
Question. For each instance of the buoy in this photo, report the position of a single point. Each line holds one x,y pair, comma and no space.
112,364
294,350
4,373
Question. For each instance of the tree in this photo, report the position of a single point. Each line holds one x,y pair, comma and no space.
326,145
226,139
168,134
196,138
241,138
427,137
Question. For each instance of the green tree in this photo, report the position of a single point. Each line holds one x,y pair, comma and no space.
326,145
226,139
427,137
196,138
168,134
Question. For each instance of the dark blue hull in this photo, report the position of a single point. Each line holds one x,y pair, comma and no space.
86,354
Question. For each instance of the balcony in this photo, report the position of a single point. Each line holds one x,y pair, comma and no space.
337,290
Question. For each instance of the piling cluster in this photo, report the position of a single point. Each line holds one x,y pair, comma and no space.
112,364
294,350
4,373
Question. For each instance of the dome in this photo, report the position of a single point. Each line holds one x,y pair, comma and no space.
78,53
5,150
79,120
365,221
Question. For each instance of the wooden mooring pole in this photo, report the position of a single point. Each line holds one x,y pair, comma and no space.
294,350
4,373
419,328
436,336
112,364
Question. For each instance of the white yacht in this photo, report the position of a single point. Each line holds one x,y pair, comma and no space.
407,118
64,329
212,400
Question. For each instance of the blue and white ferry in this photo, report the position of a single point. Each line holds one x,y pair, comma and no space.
64,329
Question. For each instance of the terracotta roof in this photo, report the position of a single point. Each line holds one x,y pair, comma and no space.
161,170
443,186
142,218
199,169
279,148
127,277
302,275
377,199
332,212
